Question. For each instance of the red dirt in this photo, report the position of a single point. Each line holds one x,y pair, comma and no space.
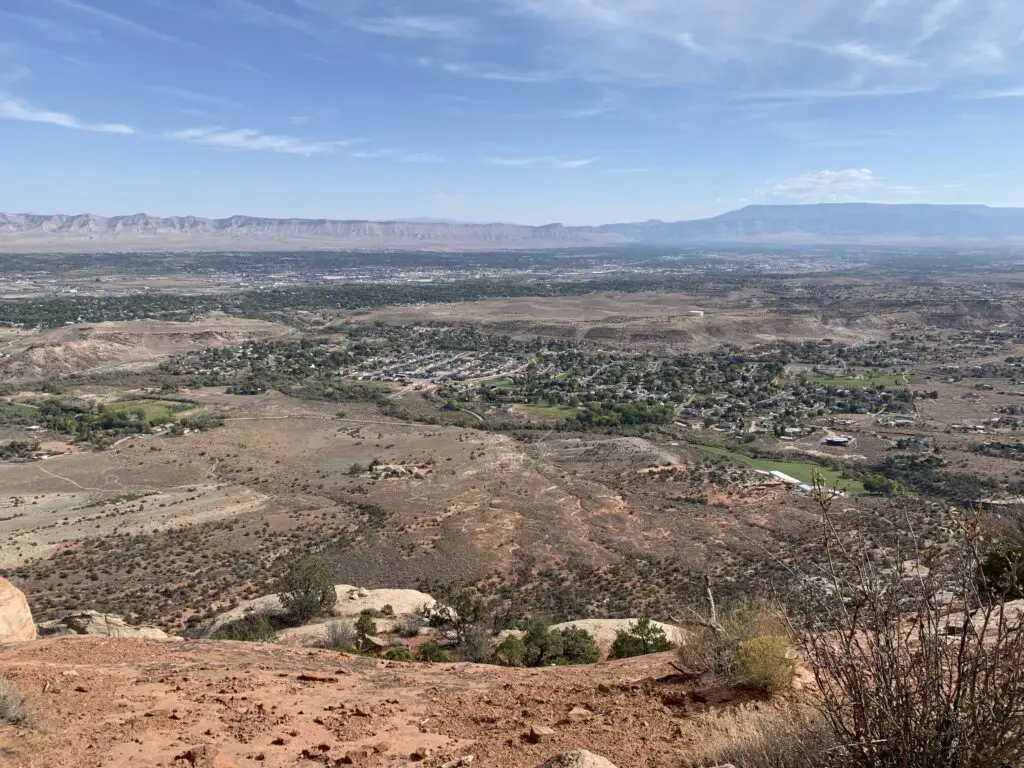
120,703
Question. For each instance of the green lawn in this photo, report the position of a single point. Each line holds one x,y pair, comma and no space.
558,412
857,381
804,472
157,411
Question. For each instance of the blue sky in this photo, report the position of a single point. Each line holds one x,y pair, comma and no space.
580,111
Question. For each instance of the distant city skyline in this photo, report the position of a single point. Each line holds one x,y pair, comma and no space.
527,111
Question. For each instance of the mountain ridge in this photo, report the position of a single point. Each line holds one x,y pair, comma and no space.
820,223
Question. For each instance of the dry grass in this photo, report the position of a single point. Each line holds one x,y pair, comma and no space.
14,705
773,740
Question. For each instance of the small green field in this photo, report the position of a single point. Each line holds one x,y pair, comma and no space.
21,409
804,472
857,381
552,412
500,382
156,411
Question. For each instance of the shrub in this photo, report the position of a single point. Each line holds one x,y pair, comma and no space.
460,617
511,652
639,639
714,641
399,654
408,625
365,626
1002,572
578,647
255,628
901,680
14,705
432,652
765,664
306,589
541,646
339,636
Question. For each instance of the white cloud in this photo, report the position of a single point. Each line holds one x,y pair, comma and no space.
488,72
397,155
197,97
13,109
121,23
936,19
867,53
249,139
546,161
413,26
867,47
849,185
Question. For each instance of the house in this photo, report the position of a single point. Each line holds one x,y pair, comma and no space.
839,441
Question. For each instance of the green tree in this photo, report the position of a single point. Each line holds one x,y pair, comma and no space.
579,647
306,589
542,646
639,639
432,652
511,652
365,626
460,616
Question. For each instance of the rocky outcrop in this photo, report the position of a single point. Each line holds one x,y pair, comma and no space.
352,601
99,624
579,758
604,630
15,616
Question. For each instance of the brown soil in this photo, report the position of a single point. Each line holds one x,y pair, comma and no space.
120,703
100,347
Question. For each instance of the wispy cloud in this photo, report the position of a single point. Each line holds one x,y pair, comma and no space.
250,139
865,52
398,155
52,28
413,26
603,106
865,47
1001,93
14,109
849,185
121,23
488,72
248,12
196,97
546,161
936,19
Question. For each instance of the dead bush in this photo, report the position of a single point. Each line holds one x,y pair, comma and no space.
409,625
747,642
14,705
339,635
916,657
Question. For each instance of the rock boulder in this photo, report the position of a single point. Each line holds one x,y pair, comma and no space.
99,624
579,758
15,616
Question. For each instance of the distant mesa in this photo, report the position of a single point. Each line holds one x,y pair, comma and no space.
849,223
